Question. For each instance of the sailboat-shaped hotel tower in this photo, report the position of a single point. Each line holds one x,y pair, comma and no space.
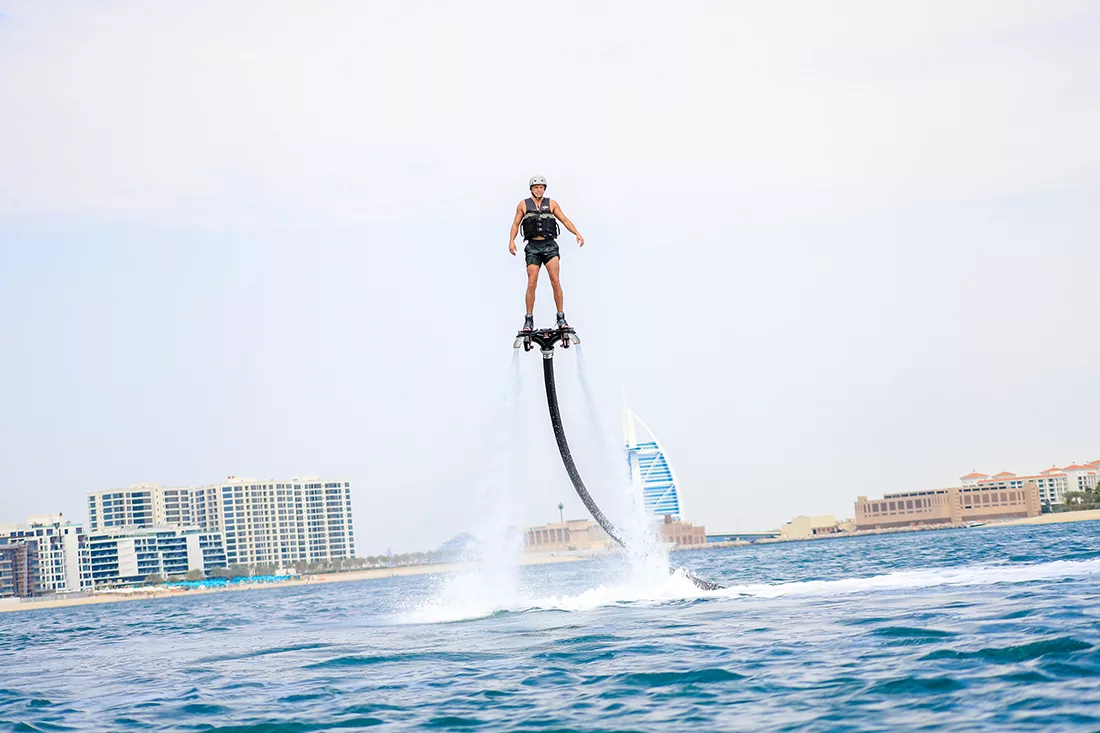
650,470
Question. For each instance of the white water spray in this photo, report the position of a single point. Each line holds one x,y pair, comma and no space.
489,579
644,549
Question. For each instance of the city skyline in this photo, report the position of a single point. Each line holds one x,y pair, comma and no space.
150,530
1051,485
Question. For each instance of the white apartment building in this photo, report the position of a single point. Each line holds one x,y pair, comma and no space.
172,506
129,555
1053,483
305,519
262,522
61,548
141,505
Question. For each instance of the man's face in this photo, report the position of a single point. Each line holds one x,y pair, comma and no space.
538,190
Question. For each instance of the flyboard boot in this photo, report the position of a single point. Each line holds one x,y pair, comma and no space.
523,338
562,325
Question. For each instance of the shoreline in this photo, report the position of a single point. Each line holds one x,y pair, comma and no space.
1086,515
147,593
144,593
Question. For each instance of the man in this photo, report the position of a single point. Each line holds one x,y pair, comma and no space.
539,216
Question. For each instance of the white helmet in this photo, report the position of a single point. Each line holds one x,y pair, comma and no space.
536,181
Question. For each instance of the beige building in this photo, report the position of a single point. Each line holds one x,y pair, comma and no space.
802,527
947,506
585,534
575,534
682,534
19,570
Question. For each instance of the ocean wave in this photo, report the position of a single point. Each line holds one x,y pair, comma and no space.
1057,646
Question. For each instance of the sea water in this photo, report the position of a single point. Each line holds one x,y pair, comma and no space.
953,630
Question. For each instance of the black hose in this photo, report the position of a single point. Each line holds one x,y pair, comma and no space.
567,457
574,474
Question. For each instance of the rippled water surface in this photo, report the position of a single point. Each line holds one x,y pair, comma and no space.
981,629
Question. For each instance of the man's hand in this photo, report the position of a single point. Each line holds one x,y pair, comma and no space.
512,248
580,240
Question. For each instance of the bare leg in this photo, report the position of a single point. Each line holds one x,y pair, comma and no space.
553,269
532,283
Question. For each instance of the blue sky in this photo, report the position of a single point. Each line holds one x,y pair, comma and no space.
829,254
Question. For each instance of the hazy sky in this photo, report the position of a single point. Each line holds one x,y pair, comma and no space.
833,249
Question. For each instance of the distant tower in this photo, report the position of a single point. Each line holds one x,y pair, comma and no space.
650,470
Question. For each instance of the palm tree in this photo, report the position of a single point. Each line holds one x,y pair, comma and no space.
1078,500
561,514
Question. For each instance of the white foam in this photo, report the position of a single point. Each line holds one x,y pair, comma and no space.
482,600
967,575
475,594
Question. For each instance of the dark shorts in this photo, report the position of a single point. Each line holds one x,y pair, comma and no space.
541,251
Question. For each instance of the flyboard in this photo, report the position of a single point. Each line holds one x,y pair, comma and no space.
546,339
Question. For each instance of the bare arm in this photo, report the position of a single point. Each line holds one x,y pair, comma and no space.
556,211
520,211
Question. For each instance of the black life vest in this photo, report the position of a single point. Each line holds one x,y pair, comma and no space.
538,221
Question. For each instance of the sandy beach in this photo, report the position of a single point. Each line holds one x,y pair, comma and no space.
1052,518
